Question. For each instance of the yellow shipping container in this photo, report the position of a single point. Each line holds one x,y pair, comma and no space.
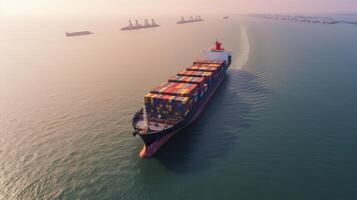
214,65
185,100
187,112
186,91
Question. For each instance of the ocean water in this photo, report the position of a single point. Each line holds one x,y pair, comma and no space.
282,126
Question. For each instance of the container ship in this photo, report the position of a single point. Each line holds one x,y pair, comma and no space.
137,25
189,19
69,34
177,103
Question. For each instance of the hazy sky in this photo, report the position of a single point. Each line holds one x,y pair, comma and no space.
100,7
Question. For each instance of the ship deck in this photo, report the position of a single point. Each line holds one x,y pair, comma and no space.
153,126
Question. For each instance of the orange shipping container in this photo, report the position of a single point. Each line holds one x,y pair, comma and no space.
176,89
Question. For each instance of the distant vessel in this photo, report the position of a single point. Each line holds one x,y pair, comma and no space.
306,19
137,25
225,17
177,103
189,19
68,34
328,20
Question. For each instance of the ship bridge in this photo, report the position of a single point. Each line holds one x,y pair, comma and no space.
217,53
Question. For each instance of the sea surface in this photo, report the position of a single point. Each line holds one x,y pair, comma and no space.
282,126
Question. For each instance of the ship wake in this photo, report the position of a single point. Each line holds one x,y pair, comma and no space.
244,50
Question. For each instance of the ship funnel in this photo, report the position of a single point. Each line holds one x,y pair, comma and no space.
153,22
217,47
130,23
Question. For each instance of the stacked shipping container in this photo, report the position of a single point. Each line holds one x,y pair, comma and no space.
200,81
214,68
166,106
219,62
204,68
176,89
206,75
176,98
187,79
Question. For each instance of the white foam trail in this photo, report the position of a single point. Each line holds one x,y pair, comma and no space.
243,54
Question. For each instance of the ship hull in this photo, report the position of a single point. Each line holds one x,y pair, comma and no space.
186,22
78,33
139,27
154,141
